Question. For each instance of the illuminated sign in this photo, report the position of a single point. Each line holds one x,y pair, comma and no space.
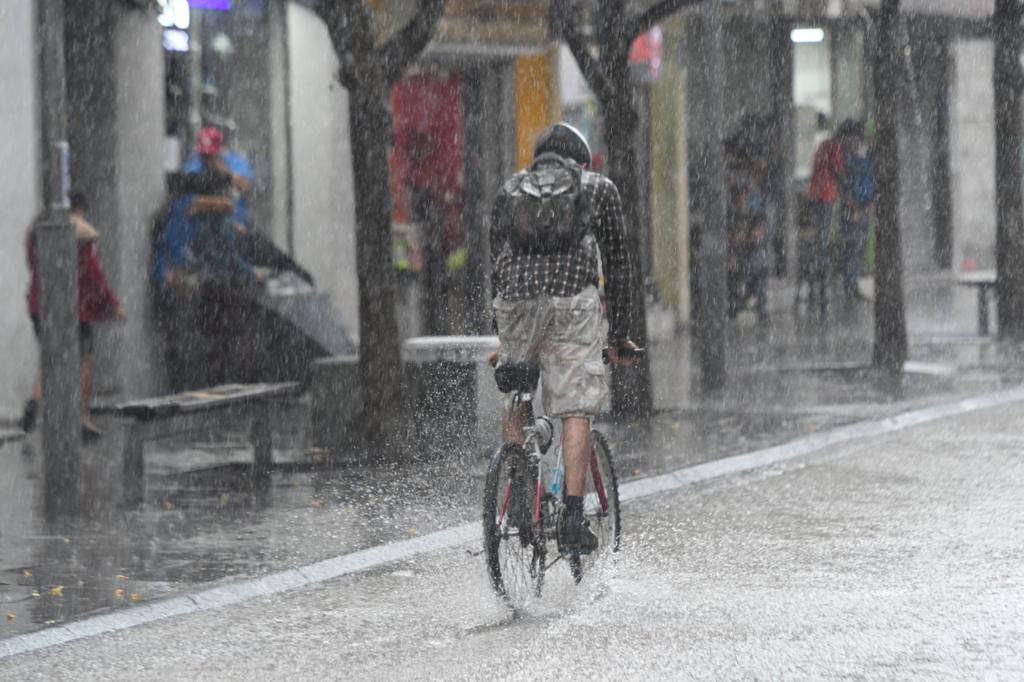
176,40
807,35
174,14
211,4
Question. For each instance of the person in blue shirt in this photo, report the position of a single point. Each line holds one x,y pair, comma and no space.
858,196
210,148
171,253
204,220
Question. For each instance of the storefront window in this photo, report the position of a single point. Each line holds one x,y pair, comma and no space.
812,92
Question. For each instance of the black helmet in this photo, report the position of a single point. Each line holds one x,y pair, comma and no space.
564,140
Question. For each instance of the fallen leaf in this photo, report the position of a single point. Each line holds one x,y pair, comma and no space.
122,577
675,426
10,617
119,593
27,573
412,531
49,622
167,505
35,594
318,503
135,596
224,498
57,591
67,541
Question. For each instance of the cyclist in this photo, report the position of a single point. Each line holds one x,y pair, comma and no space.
550,224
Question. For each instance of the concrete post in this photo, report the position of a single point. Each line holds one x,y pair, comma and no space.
780,52
57,264
58,298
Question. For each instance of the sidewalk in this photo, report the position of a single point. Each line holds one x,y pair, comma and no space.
202,525
889,551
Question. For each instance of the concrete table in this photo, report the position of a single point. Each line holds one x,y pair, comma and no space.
984,281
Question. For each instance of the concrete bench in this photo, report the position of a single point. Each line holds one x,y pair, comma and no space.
449,395
984,281
442,374
166,416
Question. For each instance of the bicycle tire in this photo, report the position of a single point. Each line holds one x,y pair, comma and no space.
515,550
601,510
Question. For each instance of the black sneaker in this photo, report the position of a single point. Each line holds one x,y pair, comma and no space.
574,534
29,414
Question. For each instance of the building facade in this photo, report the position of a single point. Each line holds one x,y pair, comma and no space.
142,78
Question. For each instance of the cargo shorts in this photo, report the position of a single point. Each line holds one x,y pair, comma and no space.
565,336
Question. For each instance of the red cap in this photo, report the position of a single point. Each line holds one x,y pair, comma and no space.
209,141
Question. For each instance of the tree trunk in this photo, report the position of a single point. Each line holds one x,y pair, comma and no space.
367,72
430,213
379,353
710,321
631,386
939,49
1009,208
890,347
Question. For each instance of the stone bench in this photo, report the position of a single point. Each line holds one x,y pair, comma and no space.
162,417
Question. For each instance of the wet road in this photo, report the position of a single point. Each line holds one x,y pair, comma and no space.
896,557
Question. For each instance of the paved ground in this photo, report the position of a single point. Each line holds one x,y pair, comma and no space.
203,524
897,557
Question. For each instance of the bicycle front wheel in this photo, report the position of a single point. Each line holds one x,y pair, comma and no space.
600,506
514,545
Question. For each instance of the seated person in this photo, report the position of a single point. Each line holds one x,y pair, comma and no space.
199,234
212,153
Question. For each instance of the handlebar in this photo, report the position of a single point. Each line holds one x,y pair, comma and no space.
626,353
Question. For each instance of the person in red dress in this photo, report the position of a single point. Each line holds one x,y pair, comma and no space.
826,177
96,303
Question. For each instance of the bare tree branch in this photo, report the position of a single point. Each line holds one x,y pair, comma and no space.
340,22
406,45
659,11
566,27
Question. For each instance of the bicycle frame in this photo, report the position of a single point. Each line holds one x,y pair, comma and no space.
532,450
533,454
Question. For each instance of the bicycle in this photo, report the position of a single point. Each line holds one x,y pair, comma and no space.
522,501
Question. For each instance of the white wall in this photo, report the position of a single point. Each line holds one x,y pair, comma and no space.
972,154
19,197
322,164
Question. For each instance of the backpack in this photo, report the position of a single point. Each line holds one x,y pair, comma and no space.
860,180
548,209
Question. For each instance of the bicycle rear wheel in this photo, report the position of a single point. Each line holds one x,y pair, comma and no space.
514,547
600,506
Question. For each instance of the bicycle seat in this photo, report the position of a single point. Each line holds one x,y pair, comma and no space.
516,376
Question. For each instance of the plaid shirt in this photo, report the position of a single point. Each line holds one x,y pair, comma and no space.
517,275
